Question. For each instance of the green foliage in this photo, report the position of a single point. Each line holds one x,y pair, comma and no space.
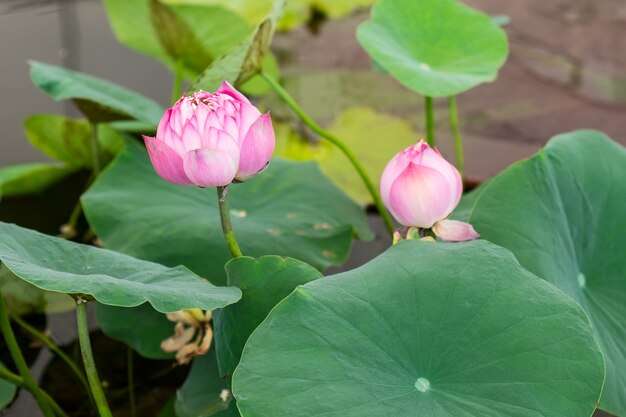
144,332
264,282
253,11
177,32
241,63
299,12
290,210
561,213
23,298
31,178
434,47
374,137
58,265
70,140
66,140
424,329
256,85
98,99
203,393
7,392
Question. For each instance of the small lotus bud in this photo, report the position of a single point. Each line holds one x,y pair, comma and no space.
420,188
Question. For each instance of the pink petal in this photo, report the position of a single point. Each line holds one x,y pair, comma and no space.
191,137
419,197
164,123
248,115
228,89
432,158
257,148
212,120
455,231
167,163
229,107
201,114
392,171
220,140
209,167
230,127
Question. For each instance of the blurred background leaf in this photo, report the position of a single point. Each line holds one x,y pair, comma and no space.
192,33
24,179
70,140
98,99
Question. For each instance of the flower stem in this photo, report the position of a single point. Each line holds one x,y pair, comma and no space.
227,227
177,86
54,348
88,361
456,134
19,382
430,121
20,362
284,95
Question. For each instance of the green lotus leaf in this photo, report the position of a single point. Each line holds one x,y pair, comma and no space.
434,47
433,329
561,212
58,265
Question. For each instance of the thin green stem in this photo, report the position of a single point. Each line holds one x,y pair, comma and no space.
284,95
95,149
19,382
20,362
130,367
430,121
456,134
69,229
54,348
88,361
227,227
12,378
177,86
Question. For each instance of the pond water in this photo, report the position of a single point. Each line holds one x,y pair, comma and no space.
566,71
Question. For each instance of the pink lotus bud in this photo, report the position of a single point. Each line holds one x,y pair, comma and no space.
211,139
421,188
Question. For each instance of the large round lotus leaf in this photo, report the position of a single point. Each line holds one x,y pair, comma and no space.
435,47
438,330
291,210
562,213
59,265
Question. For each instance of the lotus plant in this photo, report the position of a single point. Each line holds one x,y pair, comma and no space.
420,188
211,139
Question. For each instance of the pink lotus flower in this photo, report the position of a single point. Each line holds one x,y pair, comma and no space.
420,188
211,139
